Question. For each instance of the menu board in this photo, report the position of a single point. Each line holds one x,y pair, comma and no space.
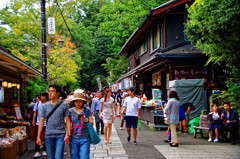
17,112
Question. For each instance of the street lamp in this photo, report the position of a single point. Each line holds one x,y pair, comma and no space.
60,43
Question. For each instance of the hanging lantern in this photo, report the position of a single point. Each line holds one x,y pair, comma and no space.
9,85
14,84
4,84
18,86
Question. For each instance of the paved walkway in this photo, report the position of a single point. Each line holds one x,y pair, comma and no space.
200,151
151,146
109,151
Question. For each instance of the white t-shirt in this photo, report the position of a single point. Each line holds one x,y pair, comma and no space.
132,105
38,108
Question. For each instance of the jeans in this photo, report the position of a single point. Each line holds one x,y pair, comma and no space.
79,148
55,147
98,121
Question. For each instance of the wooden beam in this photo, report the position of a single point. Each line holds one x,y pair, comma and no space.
11,64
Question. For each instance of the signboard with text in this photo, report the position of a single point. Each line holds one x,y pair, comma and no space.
51,25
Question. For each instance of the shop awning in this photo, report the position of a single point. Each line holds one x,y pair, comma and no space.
13,63
147,63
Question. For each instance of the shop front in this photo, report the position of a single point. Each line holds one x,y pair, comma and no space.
14,76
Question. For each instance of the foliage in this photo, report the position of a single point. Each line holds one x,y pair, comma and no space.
115,67
213,26
119,19
34,88
99,28
62,68
233,93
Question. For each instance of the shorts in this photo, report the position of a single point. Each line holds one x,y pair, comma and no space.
181,114
131,121
213,127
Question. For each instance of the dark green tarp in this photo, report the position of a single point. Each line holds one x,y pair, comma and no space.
191,90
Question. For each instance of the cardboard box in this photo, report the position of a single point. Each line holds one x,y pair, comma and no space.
10,152
23,145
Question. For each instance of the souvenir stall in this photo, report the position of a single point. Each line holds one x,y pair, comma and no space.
14,76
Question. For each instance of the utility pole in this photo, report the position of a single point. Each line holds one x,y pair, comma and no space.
44,45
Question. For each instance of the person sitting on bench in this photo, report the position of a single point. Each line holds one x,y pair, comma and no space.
215,122
231,122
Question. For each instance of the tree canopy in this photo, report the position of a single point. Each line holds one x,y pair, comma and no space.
98,30
213,26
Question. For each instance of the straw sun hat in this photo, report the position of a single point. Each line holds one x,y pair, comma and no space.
78,95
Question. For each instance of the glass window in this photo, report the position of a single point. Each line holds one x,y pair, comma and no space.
155,39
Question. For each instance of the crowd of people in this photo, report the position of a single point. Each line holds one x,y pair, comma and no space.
60,119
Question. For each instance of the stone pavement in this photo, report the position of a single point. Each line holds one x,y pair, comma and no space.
151,146
200,151
109,151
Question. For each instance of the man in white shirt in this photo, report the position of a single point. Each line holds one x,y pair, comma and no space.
35,122
132,106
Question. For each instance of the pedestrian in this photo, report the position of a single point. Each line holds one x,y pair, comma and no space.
215,123
172,112
56,133
119,101
96,105
79,142
184,107
125,94
35,122
132,107
231,122
89,99
182,119
107,113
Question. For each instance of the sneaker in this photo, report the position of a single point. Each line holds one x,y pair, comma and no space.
135,142
121,128
216,140
44,153
37,154
210,140
128,139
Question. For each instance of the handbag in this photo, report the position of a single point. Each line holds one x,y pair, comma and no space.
93,136
166,121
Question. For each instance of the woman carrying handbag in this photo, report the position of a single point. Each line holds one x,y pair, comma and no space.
172,114
79,143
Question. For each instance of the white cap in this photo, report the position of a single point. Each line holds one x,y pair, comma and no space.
78,91
125,93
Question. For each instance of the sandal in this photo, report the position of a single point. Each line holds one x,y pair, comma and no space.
105,142
109,141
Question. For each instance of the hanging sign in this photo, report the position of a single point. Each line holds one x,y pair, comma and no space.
51,25
18,112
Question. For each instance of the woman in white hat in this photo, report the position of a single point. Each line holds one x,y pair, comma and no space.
79,143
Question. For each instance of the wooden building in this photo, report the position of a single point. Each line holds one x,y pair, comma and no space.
159,51
14,76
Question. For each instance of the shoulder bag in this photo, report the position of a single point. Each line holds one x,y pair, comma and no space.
93,136
53,110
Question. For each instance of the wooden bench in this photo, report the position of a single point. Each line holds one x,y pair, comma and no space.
203,125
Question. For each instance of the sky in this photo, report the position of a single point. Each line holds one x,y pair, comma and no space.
3,3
